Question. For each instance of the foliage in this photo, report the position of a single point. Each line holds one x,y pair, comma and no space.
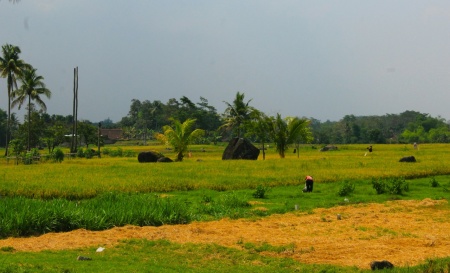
57,155
80,152
237,114
31,89
89,153
11,66
287,131
180,136
406,127
347,188
30,156
260,191
17,147
88,133
434,183
395,185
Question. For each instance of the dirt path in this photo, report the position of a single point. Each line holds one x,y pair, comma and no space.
403,232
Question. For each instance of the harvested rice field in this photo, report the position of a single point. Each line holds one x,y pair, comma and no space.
403,232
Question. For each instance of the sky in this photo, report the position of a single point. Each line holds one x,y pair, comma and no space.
319,59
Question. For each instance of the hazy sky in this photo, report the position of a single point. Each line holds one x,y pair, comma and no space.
320,59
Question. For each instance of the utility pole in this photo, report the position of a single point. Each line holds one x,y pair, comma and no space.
74,144
98,138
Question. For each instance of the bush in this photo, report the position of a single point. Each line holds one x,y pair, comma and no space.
346,189
57,155
89,153
106,151
391,185
397,185
379,185
129,153
434,183
28,158
80,152
117,153
260,191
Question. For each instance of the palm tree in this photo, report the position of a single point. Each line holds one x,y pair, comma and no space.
10,67
259,127
32,88
287,131
180,136
237,114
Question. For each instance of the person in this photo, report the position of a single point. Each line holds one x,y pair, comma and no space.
309,181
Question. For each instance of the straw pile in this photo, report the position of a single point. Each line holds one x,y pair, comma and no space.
403,232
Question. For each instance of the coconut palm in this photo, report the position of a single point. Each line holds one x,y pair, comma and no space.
10,67
286,131
180,136
31,89
237,113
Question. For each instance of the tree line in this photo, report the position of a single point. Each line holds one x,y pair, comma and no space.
146,120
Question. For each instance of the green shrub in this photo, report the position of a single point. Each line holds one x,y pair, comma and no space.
28,158
106,151
346,188
57,155
117,153
396,185
80,152
379,185
129,153
434,183
260,191
89,153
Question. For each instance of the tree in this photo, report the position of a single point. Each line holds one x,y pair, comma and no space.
31,89
259,127
180,136
10,66
32,130
286,131
88,133
54,135
237,113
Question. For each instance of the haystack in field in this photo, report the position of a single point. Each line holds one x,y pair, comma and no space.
240,148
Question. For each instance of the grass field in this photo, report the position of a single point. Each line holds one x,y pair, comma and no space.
100,193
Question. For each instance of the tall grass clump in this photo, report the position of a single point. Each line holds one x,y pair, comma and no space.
21,216
228,204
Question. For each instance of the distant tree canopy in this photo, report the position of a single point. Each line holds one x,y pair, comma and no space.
406,127
145,118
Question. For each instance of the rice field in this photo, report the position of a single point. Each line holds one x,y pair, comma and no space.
82,178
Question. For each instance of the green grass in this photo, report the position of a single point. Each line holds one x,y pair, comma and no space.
21,216
164,256
85,178
100,193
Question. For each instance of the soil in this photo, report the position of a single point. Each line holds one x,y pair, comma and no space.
402,232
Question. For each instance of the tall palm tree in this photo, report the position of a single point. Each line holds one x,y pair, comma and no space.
180,136
10,67
31,89
286,131
237,113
